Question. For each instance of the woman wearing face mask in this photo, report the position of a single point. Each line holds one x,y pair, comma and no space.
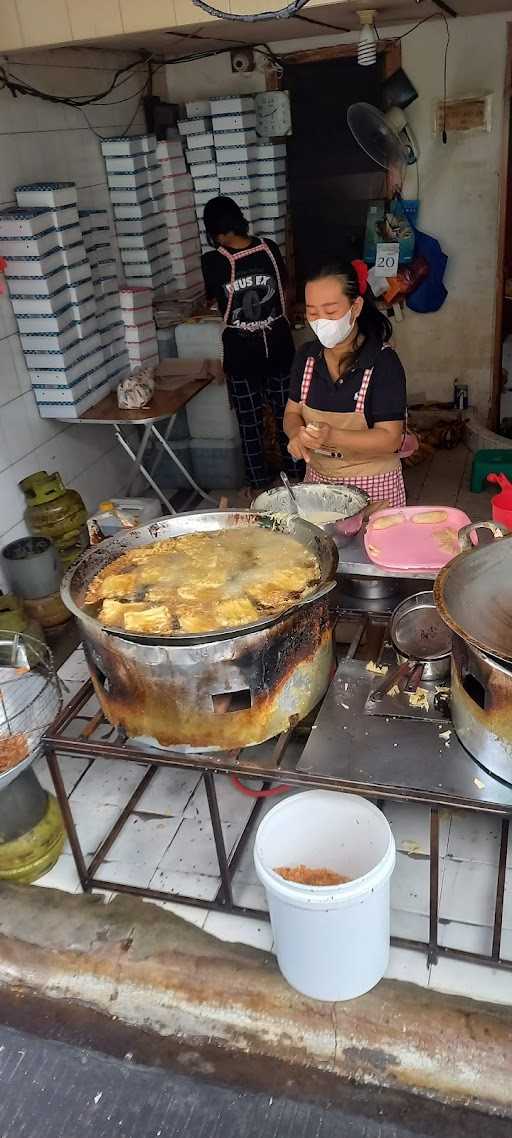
347,408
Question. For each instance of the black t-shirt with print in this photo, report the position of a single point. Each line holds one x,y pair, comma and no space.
256,342
386,398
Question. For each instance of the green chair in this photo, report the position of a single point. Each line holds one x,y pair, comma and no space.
490,462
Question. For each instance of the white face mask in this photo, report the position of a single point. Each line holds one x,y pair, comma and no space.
332,332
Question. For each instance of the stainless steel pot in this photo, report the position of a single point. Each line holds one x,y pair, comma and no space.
216,692
474,591
481,707
348,502
418,634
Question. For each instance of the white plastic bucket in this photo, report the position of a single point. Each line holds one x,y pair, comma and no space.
332,942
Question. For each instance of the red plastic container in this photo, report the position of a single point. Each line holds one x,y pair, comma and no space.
502,502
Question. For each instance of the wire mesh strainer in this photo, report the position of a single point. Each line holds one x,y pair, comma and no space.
30,698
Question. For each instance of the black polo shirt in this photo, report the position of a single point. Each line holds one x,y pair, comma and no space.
386,398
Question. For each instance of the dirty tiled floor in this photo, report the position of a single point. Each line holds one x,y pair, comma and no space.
167,844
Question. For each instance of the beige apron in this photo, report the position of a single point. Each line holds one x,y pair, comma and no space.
328,464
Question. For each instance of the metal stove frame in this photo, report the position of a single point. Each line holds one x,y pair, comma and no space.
59,744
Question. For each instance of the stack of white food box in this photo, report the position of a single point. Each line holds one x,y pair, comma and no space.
214,445
180,221
226,156
52,293
139,327
95,227
136,194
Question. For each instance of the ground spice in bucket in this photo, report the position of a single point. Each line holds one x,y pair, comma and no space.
301,875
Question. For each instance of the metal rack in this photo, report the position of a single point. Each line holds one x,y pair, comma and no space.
338,755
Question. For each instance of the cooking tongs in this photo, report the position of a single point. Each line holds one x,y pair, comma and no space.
405,676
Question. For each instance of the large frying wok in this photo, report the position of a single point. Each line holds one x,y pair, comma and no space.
474,592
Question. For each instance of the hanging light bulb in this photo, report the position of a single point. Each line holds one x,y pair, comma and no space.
367,46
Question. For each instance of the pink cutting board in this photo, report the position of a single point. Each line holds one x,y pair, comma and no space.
410,544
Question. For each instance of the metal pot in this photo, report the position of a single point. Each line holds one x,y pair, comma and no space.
418,634
348,502
481,707
209,692
474,591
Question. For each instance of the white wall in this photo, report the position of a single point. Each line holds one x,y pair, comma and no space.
459,187
41,141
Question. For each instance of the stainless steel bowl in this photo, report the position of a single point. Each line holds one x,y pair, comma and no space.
348,502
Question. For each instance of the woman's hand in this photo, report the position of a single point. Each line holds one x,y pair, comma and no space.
318,433
298,449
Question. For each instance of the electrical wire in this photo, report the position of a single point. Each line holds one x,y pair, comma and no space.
445,79
17,86
285,13
321,23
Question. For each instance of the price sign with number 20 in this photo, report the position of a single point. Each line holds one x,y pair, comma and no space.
386,261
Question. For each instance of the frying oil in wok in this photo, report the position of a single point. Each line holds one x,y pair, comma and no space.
203,582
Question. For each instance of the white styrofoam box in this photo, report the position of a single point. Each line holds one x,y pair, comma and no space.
101,253
74,254
269,182
196,126
172,167
117,366
226,155
230,170
25,223
169,148
30,322
135,316
38,245
186,280
132,144
246,120
105,320
57,341
264,212
131,298
178,202
198,109
82,291
154,281
182,232
84,310
78,272
145,254
112,334
267,166
54,194
64,357
176,184
201,197
231,104
104,272
200,340
264,150
199,141
93,219
132,180
139,352
128,163
41,305
139,333
178,218
269,197
217,463
97,237
131,204
196,156
235,138
132,226
36,267
107,301
38,286
183,265
211,184
59,376
203,170
210,416
185,247
66,394
276,235
142,240
235,185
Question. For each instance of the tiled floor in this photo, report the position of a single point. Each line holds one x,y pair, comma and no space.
168,844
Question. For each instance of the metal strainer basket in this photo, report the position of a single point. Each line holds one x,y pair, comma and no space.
30,698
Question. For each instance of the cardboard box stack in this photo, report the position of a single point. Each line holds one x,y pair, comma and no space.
136,193
95,227
139,327
180,221
249,170
51,289
226,156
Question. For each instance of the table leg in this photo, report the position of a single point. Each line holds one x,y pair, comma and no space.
141,468
158,457
138,459
163,442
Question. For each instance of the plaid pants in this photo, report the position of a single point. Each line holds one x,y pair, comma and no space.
249,397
